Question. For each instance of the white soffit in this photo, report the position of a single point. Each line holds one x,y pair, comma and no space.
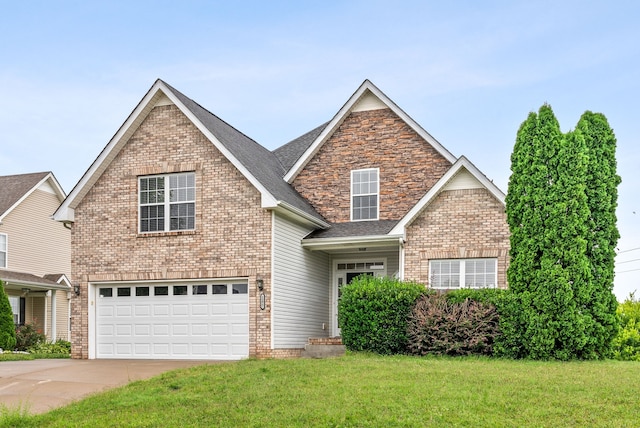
369,102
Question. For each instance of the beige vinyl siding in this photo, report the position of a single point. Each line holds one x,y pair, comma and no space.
37,244
62,315
301,288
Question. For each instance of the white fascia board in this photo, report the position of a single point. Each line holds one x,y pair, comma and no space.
65,211
344,112
267,199
289,210
461,163
352,242
108,154
34,286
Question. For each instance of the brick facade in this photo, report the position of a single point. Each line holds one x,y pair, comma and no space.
409,166
232,236
458,224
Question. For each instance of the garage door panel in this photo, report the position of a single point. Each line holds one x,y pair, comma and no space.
123,311
199,309
180,310
161,330
239,309
142,310
199,329
142,329
142,350
124,329
189,326
161,309
105,311
180,329
220,309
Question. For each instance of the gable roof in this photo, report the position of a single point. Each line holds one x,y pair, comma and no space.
325,133
16,188
260,166
27,280
461,164
289,154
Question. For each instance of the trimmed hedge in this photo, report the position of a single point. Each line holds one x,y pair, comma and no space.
373,311
444,325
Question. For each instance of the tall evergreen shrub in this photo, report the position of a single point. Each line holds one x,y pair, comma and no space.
602,183
550,273
7,327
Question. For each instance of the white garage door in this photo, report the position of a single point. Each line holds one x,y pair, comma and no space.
177,321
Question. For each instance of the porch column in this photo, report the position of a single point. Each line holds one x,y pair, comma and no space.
53,314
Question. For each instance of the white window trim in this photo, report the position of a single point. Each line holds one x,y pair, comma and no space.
167,203
377,193
5,251
462,273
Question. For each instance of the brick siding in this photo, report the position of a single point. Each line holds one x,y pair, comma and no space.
232,236
409,166
458,224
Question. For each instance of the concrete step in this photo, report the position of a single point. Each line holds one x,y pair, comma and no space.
323,351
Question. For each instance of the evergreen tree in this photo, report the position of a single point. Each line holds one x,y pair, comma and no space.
547,213
7,327
602,194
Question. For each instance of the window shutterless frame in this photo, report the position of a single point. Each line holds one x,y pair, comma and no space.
448,274
166,202
365,194
3,250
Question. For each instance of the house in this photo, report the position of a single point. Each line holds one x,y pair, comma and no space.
191,240
35,253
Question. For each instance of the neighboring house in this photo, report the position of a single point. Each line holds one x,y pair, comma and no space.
190,240
35,252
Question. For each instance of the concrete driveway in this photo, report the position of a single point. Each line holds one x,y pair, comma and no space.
41,385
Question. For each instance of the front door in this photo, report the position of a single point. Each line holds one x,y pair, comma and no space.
344,271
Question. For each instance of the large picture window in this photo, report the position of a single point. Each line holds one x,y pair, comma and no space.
463,273
167,202
365,188
3,250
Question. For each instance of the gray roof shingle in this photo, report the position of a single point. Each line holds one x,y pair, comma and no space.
358,228
260,162
14,187
289,154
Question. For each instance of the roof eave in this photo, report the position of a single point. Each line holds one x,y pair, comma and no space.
461,163
289,210
344,112
65,213
353,242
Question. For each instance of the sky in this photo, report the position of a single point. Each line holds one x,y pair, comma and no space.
468,72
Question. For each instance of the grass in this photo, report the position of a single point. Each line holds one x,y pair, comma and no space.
10,356
362,390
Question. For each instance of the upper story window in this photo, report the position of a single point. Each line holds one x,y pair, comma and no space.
3,250
365,187
463,273
167,202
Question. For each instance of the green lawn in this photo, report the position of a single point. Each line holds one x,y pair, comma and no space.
366,390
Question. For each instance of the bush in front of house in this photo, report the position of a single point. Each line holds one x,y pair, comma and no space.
626,345
442,325
28,336
7,327
494,296
59,347
372,313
